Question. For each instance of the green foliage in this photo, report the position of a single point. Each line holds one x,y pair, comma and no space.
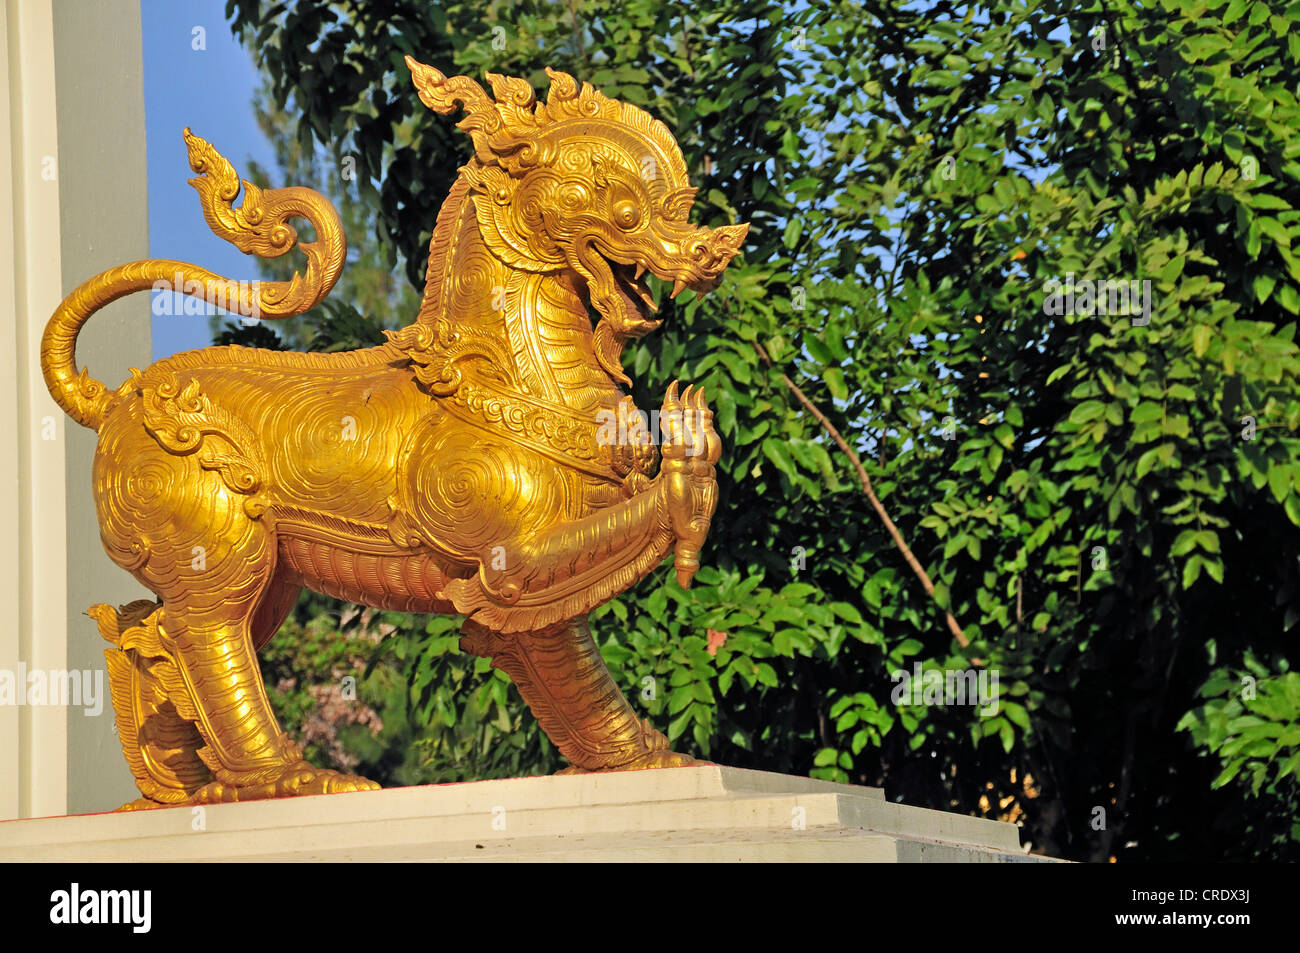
368,285
1250,721
470,721
418,710
1095,497
304,668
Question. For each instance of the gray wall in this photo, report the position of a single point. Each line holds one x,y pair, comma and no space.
105,222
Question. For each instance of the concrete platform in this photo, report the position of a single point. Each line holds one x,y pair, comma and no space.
709,813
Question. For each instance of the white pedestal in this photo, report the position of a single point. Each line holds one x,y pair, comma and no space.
709,813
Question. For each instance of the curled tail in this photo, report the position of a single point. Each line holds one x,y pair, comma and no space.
259,226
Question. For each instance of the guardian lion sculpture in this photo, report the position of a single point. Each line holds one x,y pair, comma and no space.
454,469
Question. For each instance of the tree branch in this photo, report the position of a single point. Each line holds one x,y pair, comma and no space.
849,452
577,33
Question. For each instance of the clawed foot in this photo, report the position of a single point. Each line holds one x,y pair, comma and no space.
653,753
143,804
651,759
294,780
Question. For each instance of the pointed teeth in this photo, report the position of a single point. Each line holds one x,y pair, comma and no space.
648,299
640,269
678,287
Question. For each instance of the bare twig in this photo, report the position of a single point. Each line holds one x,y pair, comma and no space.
577,33
686,48
871,493
1020,602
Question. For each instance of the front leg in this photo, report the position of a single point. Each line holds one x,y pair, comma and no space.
567,569
560,674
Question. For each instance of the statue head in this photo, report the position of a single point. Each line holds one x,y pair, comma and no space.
584,184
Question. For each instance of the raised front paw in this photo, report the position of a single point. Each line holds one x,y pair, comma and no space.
689,441
690,449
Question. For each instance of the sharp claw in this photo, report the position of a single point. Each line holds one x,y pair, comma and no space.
671,396
686,397
699,399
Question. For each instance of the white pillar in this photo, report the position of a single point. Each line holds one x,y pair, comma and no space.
72,150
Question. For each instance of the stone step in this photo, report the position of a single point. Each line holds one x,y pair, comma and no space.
716,846
705,812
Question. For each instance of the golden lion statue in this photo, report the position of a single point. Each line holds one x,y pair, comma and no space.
459,468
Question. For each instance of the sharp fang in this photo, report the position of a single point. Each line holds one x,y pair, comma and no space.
678,287
643,293
640,270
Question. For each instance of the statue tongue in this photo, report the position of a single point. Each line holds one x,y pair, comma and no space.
608,348
618,311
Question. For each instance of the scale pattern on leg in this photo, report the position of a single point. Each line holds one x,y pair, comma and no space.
560,674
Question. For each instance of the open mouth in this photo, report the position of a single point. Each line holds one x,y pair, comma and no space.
619,288
629,280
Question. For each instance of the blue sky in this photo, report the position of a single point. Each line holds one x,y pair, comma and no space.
209,90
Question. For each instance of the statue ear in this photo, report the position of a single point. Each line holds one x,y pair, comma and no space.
677,205
599,175
505,231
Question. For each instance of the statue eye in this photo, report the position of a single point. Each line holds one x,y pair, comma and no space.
626,214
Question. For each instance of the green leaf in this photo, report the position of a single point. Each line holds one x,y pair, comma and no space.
1184,544
1146,411
1148,460
793,229
1087,411
1016,714
1279,481
1200,339
848,612
1263,287
834,378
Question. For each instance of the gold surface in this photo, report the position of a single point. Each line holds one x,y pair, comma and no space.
460,468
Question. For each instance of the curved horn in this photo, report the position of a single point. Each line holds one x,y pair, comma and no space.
443,95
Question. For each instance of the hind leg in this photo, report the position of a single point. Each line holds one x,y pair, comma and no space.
561,675
216,606
176,483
